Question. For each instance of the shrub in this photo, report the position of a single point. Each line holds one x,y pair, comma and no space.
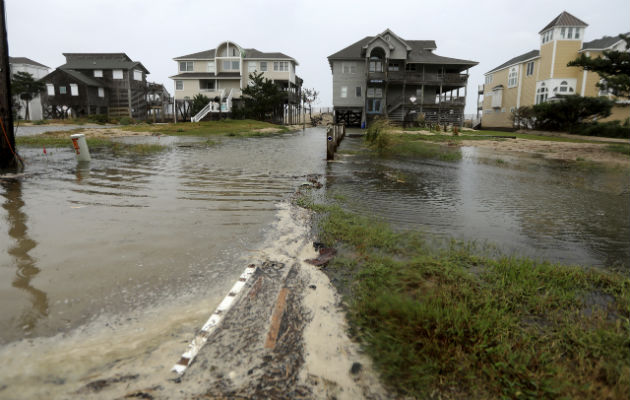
198,103
40,122
125,121
99,118
613,129
376,128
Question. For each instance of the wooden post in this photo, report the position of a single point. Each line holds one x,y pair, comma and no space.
330,150
8,155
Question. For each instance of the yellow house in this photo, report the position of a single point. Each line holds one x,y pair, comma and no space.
541,75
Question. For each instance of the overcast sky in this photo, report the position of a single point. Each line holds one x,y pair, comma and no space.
155,31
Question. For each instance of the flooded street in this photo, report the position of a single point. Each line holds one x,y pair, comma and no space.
135,250
108,269
523,205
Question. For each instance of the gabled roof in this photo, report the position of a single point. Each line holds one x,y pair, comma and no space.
75,75
249,53
602,43
564,19
383,35
420,52
516,60
416,47
100,61
24,60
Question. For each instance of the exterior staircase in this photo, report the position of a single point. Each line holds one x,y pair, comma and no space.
224,106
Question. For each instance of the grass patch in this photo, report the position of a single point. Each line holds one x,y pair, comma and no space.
451,323
621,148
389,144
227,127
50,141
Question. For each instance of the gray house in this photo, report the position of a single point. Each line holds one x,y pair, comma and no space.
385,75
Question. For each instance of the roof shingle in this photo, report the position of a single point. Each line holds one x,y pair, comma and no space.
24,60
564,19
517,59
602,43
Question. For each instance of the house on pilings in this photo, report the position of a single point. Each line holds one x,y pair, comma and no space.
96,83
386,75
222,73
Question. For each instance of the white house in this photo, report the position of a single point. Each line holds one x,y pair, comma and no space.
23,64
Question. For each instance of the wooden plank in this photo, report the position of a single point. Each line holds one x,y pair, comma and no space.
276,319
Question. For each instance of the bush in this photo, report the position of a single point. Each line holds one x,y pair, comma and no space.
40,122
568,113
99,118
125,121
198,103
612,129
377,127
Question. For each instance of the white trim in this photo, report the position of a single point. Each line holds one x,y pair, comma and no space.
553,58
215,319
520,83
603,49
583,84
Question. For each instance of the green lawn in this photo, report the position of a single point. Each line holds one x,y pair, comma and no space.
226,127
455,324
50,142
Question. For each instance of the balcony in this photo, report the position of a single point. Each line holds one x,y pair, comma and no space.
419,77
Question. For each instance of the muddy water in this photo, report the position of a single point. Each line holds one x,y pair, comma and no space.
525,206
110,261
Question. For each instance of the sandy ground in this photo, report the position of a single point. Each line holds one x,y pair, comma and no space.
565,151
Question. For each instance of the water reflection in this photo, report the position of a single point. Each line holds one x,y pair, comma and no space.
525,206
24,262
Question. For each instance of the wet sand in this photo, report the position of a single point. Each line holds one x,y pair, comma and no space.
564,151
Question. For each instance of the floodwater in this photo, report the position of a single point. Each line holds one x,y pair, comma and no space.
103,261
109,268
522,205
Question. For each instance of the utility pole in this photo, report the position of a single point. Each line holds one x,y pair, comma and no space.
8,156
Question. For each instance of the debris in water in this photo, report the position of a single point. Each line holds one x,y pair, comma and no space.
325,254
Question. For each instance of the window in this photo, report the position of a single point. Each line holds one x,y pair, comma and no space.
513,77
562,33
410,67
280,66
251,66
374,106
98,73
101,92
186,66
393,66
206,85
376,65
564,87
530,68
231,65
488,79
570,33
577,33
117,74
74,89
541,94
349,68
263,66
137,75
344,92
62,90
50,88
179,85
375,92
357,91
234,51
212,67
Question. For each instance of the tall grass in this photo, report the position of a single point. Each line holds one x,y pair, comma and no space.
452,323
